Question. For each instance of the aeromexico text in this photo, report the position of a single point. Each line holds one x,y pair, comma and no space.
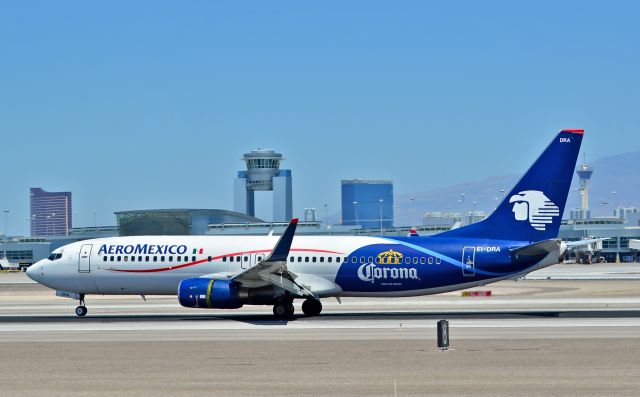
142,249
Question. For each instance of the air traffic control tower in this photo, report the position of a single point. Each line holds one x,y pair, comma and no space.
584,173
263,174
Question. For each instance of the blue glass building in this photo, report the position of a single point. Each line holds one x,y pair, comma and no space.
367,203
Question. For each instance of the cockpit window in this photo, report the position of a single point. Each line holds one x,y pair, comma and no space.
54,257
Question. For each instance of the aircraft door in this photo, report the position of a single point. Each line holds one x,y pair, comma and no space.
245,261
250,260
468,261
84,258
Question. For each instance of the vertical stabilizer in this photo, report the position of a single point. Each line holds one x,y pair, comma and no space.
532,211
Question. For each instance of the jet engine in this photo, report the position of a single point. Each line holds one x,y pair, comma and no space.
208,293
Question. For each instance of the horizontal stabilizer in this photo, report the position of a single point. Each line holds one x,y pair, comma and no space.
538,249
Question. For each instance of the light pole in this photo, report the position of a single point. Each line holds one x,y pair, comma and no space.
95,223
355,207
53,222
381,201
326,217
4,246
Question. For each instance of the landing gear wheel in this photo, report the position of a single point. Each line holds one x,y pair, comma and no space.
283,311
81,311
290,310
311,307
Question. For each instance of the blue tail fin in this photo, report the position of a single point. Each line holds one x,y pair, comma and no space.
532,211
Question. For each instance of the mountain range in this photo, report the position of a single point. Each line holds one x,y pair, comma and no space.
615,182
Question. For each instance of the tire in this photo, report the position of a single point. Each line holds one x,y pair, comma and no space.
283,311
290,310
81,311
311,307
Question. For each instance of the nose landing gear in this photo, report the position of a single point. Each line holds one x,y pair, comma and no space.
81,310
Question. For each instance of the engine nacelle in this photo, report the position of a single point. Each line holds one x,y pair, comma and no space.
209,294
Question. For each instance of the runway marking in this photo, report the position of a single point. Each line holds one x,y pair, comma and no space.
225,324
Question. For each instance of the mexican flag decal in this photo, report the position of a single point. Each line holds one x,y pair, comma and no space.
198,251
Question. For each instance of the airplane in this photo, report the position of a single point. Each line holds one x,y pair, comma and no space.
227,272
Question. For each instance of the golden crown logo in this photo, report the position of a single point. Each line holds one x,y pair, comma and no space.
390,257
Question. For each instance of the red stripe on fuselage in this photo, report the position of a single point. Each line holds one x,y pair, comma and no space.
213,258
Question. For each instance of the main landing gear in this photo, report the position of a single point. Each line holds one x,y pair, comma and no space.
311,307
81,310
283,310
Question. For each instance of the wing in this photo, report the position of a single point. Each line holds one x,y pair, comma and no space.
273,269
578,243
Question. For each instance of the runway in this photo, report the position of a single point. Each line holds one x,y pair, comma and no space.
530,337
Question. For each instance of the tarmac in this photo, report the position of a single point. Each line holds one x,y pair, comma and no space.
534,337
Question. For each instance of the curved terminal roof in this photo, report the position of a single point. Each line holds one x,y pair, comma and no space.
175,221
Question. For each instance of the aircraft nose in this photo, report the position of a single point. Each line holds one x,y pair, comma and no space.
34,271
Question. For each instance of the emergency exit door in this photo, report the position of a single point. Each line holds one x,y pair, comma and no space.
84,260
468,261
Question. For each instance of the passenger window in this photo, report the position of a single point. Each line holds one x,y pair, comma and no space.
126,258
329,259
224,258
370,260
423,260
260,258
193,258
313,259
146,259
209,259
362,259
133,258
140,258
112,259
246,258
104,259
119,259
155,258
299,259
407,260
431,260
306,259
438,260
322,259
171,259
354,259
415,260
162,258
291,259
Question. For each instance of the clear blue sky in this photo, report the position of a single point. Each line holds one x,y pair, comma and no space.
134,105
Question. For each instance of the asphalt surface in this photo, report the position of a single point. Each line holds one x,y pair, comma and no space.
530,337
